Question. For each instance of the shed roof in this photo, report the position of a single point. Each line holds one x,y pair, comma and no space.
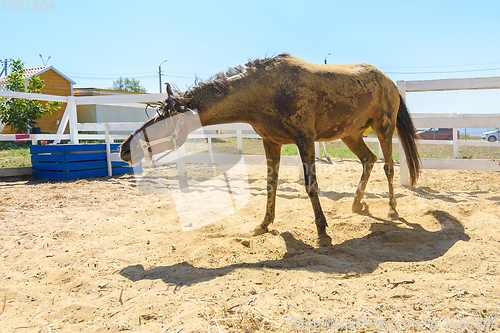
101,92
29,72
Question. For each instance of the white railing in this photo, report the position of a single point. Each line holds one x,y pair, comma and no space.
456,121
420,120
451,120
70,116
179,157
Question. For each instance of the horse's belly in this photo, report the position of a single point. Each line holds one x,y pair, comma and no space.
341,129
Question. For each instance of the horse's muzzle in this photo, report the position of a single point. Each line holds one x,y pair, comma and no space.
125,155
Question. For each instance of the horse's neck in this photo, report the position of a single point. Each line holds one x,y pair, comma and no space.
231,109
221,115
194,121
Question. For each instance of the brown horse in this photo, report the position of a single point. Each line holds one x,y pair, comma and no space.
288,100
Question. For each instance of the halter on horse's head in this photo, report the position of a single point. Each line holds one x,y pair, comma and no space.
160,133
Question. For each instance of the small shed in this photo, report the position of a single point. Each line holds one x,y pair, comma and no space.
97,113
56,83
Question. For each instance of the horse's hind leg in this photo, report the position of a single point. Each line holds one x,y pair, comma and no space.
385,139
368,159
306,149
273,155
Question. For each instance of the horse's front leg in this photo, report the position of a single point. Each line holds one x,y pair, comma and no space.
306,149
273,155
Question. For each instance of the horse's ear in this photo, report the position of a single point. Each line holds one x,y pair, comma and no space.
169,89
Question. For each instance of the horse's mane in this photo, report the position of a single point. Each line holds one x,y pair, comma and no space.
217,85
264,63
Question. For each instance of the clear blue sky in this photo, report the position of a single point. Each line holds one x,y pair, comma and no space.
94,42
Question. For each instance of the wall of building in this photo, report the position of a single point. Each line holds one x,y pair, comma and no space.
55,84
86,113
119,114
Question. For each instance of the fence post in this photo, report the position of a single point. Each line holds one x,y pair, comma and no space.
239,138
181,161
209,141
316,149
300,167
108,149
403,167
71,109
455,140
380,153
63,123
324,150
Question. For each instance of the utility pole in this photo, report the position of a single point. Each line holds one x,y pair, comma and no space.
159,73
4,69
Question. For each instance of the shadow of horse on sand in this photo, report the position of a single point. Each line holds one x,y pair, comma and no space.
387,241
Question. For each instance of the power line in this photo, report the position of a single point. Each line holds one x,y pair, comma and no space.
182,77
185,75
108,78
136,74
113,75
447,72
153,76
135,77
443,66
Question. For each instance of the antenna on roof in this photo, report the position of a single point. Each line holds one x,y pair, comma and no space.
46,61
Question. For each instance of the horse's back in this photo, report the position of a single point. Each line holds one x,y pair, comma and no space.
340,70
343,98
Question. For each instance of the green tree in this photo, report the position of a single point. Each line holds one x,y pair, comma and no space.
22,114
126,84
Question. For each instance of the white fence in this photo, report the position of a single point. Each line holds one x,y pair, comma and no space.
454,121
70,116
420,120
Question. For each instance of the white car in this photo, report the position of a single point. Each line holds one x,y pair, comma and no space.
491,136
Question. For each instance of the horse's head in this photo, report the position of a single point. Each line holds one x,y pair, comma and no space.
166,131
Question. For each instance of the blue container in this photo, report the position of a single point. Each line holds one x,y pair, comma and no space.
74,161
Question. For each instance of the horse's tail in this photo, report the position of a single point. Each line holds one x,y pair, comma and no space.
407,136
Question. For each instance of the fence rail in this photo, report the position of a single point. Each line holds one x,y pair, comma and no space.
111,131
451,120
209,132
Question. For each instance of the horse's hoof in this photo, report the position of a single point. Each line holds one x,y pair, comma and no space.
361,208
357,207
394,216
259,231
324,241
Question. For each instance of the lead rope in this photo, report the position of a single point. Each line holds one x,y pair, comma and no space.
173,137
146,145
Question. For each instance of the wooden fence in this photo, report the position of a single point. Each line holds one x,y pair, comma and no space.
78,130
454,121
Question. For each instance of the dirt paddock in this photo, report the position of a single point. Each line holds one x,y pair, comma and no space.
99,255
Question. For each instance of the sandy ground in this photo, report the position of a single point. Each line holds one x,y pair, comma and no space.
99,254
